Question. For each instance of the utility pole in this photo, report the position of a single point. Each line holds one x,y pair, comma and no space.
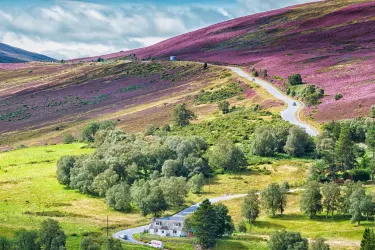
107,226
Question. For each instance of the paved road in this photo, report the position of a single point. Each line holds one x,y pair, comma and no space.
291,113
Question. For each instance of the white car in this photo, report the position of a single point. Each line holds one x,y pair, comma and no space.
156,244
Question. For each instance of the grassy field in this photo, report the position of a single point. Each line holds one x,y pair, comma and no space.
30,193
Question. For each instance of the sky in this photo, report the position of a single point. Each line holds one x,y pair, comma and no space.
67,29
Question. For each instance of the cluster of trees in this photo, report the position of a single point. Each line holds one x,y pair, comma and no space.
350,199
209,223
50,236
272,199
94,243
281,138
284,240
338,149
311,95
124,167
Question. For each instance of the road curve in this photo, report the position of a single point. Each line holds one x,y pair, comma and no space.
291,113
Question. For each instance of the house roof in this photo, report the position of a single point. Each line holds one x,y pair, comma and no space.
167,224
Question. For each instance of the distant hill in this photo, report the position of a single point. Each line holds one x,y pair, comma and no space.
330,43
9,54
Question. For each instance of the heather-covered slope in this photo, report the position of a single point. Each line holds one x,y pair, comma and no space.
9,54
40,102
330,43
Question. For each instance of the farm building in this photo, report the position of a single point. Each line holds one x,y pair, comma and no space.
167,227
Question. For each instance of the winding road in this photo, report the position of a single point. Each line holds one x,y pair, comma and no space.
290,114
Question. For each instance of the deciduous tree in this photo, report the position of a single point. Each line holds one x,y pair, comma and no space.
311,200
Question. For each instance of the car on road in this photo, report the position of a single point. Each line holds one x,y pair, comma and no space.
294,104
156,244
253,79
124,237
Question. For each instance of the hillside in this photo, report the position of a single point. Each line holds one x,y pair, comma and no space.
9,54
40,102
330,43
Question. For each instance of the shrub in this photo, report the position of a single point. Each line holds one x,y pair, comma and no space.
241,227
205,66
338,96
30,71
283,240
295,79
372,112
255,74
68,139
361,175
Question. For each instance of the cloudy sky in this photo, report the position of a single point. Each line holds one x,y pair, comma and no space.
71,29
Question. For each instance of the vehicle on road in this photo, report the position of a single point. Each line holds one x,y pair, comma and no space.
294,104
156,244
253,79
124,237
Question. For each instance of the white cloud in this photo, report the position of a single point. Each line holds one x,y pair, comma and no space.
71,29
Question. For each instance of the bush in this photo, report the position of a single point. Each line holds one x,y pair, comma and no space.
241,227
68,139
283,240
360,175
372,112
295,79
338,96
255,74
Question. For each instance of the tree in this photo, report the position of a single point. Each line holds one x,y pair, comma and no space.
359,204
139,191
51,235
88,132
345,149
283,240
265,73
88,243
171,168
174,190
348,189
196,183
6,244
204,224
26,240
224,107
224,221
104,181
295,79
64,165
368,240
273,198
255,73
181,116
311,200
156,202
119,198
112,244
372,112
338,96
205,66
319,244
370,142
250,207
68,138
298,142
226,156
264,143
331,193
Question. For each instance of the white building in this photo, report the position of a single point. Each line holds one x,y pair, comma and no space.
167,227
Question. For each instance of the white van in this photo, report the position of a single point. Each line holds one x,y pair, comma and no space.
156,244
